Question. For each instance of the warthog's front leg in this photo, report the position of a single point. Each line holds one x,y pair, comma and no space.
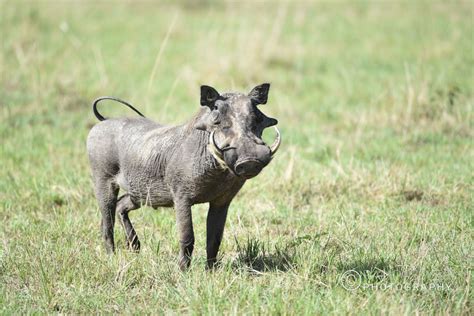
215,228
185,232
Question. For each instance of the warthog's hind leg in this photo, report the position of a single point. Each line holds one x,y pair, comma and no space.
106,193
125,205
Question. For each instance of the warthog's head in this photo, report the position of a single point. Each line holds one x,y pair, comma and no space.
236,125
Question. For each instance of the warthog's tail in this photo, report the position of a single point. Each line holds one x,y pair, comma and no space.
100,117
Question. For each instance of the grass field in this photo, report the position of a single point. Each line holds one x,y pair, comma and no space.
368,207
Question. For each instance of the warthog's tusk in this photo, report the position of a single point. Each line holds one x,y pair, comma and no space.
214,146
216,151
276,144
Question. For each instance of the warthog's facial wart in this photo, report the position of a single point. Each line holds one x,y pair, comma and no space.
236,126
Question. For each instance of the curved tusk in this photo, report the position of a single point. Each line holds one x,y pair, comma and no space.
213,146
276,144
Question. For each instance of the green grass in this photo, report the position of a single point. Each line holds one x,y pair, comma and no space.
374,176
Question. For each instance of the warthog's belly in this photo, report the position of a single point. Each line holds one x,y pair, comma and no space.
156,193
150,192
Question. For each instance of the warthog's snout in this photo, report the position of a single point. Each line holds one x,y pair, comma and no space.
245,157
249,167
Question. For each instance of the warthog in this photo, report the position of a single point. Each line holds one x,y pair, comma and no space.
206,160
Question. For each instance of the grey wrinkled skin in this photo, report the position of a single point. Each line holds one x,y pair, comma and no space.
165,166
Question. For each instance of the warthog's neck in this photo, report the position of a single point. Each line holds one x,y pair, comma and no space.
198,140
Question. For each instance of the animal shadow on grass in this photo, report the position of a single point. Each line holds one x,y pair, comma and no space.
256,257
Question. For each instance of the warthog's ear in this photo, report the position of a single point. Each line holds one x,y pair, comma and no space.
209,96
259,94
269,121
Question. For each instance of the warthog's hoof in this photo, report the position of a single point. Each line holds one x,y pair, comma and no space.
184,263
134,245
